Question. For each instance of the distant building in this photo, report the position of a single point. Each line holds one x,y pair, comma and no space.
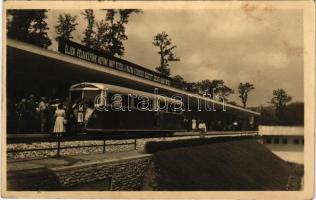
287,142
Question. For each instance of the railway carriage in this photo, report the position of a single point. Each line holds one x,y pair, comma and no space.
100,108
105,108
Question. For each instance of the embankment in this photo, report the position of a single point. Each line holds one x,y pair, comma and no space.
222,164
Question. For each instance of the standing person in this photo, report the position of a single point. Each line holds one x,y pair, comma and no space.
197,125
202,127
42,106
50,115
31,113
89,111
22,114
193,126
59,121
66,104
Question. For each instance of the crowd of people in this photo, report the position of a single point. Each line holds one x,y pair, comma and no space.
221,125
46,115
37,115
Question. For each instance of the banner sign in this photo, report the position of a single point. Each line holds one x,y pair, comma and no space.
79,51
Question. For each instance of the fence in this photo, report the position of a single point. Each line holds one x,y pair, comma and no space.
29,138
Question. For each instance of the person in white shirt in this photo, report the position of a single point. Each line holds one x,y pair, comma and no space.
202,127
42,112
88,112
194,124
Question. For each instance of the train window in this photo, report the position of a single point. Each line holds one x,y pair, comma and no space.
276,141
268,140
296,141
130,101
101,99
89,95
75,96
302,141
284,141
124,100
176,107
143,103
109,95
116,101
163,106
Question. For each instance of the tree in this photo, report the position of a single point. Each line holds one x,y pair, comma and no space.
66,25
279,100
294,114
244,89
267,116
166,52
28,26
191,87
209,87
100,39
178,82
214,89
111,31
223,92
205,86
89,33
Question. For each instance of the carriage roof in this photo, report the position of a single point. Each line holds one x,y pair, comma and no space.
117,89
123,90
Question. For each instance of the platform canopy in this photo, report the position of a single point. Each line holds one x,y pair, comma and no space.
31,69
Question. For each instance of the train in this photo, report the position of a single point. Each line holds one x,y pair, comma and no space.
107,108
100,108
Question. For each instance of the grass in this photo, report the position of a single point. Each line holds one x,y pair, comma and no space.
225,165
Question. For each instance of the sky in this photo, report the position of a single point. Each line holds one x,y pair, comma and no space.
260,46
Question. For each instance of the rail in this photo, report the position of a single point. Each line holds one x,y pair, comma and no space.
30,138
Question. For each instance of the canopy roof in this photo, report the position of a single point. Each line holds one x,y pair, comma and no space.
33,61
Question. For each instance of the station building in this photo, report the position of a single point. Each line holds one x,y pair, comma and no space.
287,142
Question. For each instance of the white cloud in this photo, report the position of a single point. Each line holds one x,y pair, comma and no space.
267,60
